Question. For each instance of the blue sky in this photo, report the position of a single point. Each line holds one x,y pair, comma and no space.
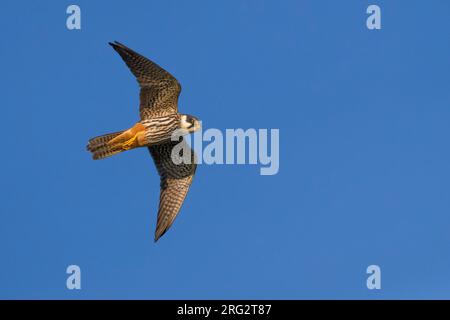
364,161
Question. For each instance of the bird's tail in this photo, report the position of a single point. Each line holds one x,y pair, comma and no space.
101,146
109,144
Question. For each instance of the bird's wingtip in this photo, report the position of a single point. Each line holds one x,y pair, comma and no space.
119,46
159,234
116,44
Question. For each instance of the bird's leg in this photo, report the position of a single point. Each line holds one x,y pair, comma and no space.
130,143
129,138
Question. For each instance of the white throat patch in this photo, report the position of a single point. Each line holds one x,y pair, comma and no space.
184,123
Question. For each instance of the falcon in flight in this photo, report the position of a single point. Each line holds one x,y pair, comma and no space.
158,109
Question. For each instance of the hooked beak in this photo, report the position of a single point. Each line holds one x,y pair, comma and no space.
197,125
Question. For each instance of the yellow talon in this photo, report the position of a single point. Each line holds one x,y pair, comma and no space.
129,144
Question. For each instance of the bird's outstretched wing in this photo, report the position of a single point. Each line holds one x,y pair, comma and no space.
159,89
175,182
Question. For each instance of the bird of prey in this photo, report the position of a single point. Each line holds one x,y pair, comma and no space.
158,109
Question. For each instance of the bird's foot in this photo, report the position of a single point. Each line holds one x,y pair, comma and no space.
130,144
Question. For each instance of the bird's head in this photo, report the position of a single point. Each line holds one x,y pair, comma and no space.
189,123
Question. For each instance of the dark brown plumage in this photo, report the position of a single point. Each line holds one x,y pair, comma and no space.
175,183
159,89
158,106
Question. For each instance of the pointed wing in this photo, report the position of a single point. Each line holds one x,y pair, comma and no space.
175,182
159,89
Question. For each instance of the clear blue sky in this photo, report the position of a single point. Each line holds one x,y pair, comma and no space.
364,160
